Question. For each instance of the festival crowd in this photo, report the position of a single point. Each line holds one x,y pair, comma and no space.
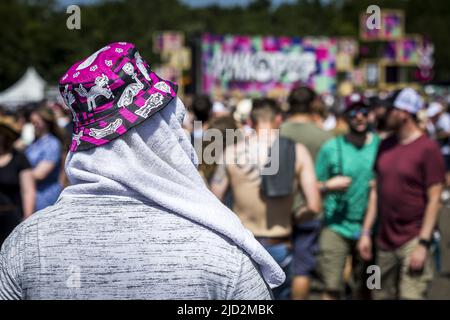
360,183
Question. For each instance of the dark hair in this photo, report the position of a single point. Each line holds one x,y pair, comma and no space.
393,96
265,109
221,124
6,142
48,116
300,100
201,107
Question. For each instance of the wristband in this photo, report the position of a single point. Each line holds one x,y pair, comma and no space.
366,233
425,243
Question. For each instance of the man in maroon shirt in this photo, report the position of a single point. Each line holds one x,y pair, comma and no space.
410,175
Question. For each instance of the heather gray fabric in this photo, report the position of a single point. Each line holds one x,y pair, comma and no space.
81,248
137,222
155,162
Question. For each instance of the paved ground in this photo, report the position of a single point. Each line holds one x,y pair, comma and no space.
440,288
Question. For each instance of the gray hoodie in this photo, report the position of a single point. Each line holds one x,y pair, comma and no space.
120,248
137,222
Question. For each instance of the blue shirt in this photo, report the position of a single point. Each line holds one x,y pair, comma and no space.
46,148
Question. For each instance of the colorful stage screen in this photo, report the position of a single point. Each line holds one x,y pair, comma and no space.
392,26
408,50
266,65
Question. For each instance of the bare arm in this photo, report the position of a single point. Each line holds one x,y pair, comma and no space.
337,183
220,182
420,253
308,180
28,192
371,213
42,170
431,211
365,241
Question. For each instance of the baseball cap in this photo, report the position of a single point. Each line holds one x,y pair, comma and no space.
355,99
434,109
408,100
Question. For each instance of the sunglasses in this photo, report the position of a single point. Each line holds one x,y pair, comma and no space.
353,113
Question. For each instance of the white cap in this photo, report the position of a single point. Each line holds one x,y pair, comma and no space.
243,109
434,109
409,100
218,107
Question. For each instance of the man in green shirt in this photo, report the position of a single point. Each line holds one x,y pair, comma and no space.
344,168
301,128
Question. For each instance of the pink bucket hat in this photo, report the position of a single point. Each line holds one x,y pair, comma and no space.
110,92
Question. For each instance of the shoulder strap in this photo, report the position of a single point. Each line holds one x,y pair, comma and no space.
340,156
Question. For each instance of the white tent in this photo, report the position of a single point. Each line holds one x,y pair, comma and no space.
29,89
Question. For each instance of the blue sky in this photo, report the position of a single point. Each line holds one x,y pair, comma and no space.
227,2
194,3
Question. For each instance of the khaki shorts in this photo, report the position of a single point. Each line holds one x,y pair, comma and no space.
333,254
397,282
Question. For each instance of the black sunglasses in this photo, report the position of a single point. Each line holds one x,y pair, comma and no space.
354,112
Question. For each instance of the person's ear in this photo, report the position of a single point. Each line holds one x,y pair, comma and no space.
278,120
406,116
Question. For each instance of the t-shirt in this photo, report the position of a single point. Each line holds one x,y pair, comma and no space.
10,180
120,248
344,211
404,173
311,136
46,148
308,134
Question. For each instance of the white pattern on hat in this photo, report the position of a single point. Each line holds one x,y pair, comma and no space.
128,68
409,100
162,86
76,137
153,102
100,88
133,89
69,99
110,129
141,66
86,63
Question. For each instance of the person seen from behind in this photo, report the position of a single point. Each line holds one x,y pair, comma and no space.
300,126
262,201
137,221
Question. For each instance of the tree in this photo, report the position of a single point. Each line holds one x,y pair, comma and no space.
34,32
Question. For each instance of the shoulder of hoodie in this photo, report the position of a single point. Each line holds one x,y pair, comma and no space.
25,234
